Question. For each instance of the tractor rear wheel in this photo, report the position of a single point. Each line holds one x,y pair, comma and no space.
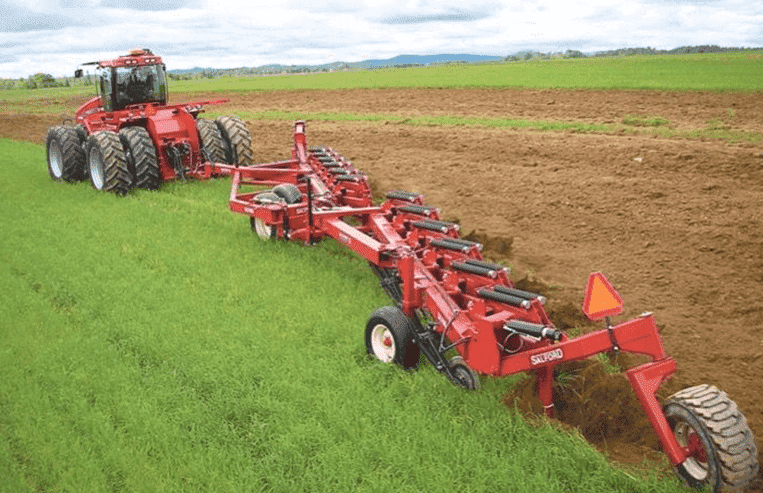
211,141
390,338
237,141
66,158
141,157
710,427
107,163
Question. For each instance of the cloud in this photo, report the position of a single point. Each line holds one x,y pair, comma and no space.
146,5
452,16
19,18
54,36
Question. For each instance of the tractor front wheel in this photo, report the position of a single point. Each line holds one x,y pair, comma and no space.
107,163
66,158
390,338
711,429
140,153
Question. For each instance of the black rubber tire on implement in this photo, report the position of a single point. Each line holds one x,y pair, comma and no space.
465,376
706,416
290,193
211,139
66,158
237,141
258,226
107,163
141,157
390,336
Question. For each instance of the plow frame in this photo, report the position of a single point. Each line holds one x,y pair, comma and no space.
453,298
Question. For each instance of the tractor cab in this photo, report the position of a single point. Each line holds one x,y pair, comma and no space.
136,78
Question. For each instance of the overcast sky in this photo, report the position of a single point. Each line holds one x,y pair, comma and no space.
54,36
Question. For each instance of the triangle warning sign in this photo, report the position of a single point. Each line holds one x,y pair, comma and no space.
601,299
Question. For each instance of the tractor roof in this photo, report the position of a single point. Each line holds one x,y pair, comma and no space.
136,58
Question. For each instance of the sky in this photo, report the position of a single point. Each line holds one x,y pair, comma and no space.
55,36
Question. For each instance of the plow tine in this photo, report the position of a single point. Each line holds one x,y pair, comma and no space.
442,243
423,210
349,177
402,195
432,225
466,243
526,295
474,269
489,265
504,298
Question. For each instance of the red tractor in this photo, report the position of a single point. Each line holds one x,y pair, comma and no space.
128,136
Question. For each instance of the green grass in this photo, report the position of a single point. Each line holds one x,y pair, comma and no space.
731,72
151,343
724,72
646,125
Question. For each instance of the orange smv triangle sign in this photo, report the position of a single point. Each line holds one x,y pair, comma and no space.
601,299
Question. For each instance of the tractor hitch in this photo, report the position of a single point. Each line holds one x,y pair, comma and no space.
176,151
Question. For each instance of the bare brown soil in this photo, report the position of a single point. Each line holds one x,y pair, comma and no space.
676,224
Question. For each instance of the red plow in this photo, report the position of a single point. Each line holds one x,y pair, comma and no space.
448,297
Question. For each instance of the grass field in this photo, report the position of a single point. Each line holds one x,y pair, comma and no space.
723,72
151,343
704,72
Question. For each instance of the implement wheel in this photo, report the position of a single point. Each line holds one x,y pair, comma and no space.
463,375
390,336
107,163
264,231
141,157
710,427
237,141
66,158
290,193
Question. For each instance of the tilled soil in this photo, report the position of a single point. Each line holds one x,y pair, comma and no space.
676,224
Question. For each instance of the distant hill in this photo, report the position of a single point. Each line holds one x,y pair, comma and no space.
424,60
400,60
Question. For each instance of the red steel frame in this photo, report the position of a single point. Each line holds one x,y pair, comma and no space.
389,238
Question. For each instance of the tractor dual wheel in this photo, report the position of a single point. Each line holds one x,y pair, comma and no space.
710,427
107,163
390,338
66,157
140,153
237,141
212,143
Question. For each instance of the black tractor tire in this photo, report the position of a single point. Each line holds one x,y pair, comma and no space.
211,139
463,375
141,157
390,338
704,419
66,157
237,141
82,133
107,163
290,193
